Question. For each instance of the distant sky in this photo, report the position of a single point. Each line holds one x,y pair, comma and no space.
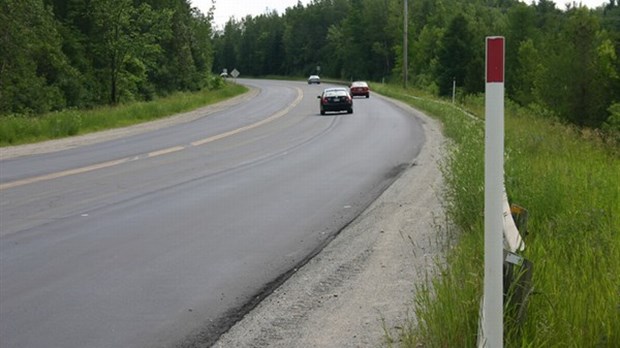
224,9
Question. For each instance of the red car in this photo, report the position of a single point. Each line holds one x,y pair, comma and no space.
360,88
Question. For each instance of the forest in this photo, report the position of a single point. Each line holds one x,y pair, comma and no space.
59,54
561,61
71,54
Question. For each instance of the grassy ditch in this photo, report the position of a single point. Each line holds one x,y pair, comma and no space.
568,179
16,130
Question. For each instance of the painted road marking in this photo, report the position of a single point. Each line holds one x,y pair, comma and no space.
254,125
64,173
152,154
165,151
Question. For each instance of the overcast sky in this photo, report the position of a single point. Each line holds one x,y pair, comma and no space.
224,9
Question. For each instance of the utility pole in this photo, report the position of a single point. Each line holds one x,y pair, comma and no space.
405,45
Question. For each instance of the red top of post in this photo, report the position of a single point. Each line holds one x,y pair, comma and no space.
495,59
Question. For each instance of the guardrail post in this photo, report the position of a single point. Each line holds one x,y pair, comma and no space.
517,286
520,216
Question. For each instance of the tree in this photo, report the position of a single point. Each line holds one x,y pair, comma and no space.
125,42
528,68
455,55
33,68
225,46
521,29
578,70
354,50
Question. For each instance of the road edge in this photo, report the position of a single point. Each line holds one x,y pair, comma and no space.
359,290
54,145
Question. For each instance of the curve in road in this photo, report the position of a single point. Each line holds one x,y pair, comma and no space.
174,246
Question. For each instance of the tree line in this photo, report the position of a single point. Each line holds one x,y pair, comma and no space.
563,61
58,54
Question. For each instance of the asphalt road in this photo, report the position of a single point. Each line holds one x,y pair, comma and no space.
165,238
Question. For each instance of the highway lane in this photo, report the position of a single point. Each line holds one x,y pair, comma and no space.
186,225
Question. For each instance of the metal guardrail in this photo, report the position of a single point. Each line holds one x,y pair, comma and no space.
516,269
513,241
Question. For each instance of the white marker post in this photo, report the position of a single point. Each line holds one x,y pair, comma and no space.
492,307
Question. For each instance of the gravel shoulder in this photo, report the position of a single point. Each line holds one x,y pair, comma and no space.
359,289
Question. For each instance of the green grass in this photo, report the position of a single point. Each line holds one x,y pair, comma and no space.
569,180
16,130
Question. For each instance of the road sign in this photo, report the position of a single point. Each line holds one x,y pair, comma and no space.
234,73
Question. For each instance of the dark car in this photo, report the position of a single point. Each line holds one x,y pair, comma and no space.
335,100
360,88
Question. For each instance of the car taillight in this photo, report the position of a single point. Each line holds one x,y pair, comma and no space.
324,100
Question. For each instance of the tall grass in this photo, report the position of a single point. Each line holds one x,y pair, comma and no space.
569,180
26,129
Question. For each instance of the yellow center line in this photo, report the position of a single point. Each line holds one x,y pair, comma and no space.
165,151
64,173
254,125
152,154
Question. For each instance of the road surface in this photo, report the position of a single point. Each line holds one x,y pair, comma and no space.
149,239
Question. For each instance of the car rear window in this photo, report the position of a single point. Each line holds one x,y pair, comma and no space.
336,89
335,93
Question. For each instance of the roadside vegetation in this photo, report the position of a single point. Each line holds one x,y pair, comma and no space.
567,178
21,129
